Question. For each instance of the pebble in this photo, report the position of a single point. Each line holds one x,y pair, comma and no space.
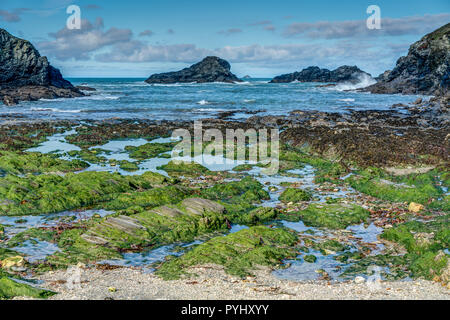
359,280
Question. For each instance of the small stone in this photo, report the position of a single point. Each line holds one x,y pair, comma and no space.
415,207
359,280
11,262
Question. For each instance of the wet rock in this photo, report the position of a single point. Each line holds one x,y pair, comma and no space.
415,207
316,74
124,223
94,239
198,206
168,212
11,262
85,88
359,280
9,101
210,69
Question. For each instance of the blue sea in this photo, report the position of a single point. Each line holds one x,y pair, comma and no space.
133,98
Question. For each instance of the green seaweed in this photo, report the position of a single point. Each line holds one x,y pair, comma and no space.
10,288
23,163
54,193
149,150
294,195
420,188
333,216
239,252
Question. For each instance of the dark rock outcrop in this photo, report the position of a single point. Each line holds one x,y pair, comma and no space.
210,69
316,74
425,70
26,75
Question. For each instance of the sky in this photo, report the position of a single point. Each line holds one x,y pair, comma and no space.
259,38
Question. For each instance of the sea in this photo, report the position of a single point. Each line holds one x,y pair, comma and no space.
134,99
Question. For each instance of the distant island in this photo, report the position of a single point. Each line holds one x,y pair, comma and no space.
210,69
316,74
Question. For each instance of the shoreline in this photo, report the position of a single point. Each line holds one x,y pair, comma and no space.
213,283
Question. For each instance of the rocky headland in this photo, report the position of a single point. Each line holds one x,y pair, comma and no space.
425,70
350,74
25,75
210,69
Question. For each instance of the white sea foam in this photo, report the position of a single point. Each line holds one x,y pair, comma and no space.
249,100
54,110
203,102
347,100
364,81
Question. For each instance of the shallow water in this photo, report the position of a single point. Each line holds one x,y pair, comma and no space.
14,225
133,98
304,177
145,259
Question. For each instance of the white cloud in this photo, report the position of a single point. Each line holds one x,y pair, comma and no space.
350,29
79,44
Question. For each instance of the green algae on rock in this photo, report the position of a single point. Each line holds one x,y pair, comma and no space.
149,150
106,238
420,188
147,198
30,162
424,242
310,258
239,252
333,216
54,193
326,170
240,198
9,288
90,155
294,195
243,167
177,168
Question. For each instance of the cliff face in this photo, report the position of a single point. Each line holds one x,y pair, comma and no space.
210,69
23,69
316,74
425,70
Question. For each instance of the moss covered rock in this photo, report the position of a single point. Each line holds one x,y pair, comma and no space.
54,193
22,163
294,195
333,216
239,252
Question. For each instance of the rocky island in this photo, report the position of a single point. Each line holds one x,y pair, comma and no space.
425,70
210,69
350,74
27,76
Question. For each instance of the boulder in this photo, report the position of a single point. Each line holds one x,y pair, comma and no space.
210,69
12,262
415,207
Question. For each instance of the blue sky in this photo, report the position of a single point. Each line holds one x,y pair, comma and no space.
260,38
